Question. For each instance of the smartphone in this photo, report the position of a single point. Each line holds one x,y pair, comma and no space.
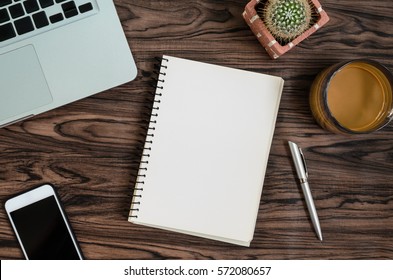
41,226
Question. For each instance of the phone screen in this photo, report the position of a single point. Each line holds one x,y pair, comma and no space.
43,231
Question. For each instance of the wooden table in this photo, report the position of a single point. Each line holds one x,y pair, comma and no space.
90,150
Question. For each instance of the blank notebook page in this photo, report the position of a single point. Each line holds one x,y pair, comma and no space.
212,133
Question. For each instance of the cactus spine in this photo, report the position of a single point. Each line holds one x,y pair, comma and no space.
286,19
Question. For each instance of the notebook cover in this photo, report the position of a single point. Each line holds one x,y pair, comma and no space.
207,149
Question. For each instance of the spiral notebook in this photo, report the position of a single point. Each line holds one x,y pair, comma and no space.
206,151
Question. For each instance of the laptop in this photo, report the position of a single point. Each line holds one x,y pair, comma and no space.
53,52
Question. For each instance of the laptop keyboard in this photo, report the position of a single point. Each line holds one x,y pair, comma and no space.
20,18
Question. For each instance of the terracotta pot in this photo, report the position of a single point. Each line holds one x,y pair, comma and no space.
264,36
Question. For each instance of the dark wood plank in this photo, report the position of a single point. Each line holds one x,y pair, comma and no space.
91,149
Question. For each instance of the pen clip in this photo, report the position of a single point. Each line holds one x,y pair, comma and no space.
304,162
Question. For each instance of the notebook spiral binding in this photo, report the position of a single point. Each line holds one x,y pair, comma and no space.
138,189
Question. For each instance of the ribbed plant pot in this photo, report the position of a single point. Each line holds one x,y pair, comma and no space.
272,46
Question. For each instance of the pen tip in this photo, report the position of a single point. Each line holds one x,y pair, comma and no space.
320,237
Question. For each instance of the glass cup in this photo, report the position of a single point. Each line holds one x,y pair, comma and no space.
353,97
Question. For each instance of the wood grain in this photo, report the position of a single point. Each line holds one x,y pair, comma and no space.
90,149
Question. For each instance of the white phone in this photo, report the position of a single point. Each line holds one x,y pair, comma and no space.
41,225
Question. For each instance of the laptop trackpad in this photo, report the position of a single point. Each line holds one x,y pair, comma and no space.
23,86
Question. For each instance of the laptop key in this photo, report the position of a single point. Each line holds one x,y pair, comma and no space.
40,19
56,18
85,8
6,32
46,3
4,16
24,25
16,10
69,9
5,2
31,6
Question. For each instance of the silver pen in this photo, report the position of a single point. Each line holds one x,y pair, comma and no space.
302,173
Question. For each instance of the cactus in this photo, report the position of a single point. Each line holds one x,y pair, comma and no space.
286,19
